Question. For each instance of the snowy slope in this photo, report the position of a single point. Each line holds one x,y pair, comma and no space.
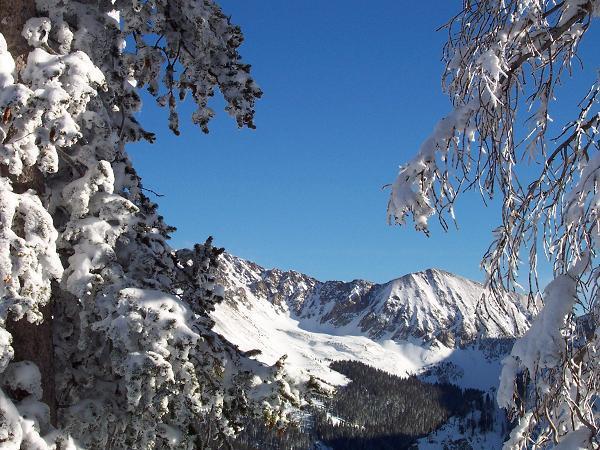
451,436
430,322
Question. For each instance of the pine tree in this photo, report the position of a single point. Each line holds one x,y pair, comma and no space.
105,336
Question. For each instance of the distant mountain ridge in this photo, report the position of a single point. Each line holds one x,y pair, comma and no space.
431,324
424,307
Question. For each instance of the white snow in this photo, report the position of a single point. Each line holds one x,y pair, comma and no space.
577,439
24,376
275,334
36,31
262,327
450,432
542,346
313,331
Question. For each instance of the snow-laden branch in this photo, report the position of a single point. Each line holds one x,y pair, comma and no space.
504,59
137,364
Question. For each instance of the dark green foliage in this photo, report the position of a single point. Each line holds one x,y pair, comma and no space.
257,436
377,411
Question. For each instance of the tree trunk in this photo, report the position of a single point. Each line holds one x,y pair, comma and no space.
30,342
13,15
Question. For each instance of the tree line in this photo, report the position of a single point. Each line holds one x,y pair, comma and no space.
376,410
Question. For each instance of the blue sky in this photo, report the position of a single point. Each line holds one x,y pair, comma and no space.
351,88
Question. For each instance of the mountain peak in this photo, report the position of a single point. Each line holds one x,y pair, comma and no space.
429,306
430,322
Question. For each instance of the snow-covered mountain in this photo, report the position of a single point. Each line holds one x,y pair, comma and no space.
430,322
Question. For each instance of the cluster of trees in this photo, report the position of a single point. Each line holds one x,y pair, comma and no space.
383,411
299,436
377,410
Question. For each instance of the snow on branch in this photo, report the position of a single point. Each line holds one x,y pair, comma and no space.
505,59
136,362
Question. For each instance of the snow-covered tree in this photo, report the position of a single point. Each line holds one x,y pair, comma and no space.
504,60
113,345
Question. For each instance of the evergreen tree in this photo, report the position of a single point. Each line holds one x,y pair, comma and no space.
125,357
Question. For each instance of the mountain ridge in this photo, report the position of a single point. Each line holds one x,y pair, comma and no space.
430,306
430,324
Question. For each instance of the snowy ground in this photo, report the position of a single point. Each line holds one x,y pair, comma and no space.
451,434
311,348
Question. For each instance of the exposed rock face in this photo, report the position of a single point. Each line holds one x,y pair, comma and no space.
427,307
